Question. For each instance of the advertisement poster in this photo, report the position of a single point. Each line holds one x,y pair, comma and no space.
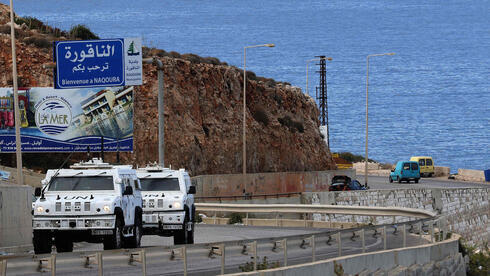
74,120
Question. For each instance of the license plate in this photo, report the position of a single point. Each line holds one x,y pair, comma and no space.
101,232
172,227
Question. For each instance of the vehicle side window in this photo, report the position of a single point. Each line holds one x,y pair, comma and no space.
406,166
429,162
415,166
422,162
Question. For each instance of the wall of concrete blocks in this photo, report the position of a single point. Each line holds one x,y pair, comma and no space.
15,215
266,183
467,210
434,259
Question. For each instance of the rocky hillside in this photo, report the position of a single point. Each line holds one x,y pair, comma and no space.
203,111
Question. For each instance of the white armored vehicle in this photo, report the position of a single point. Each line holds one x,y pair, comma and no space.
92,201
168,203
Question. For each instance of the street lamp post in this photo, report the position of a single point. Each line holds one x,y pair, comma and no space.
367,94
307,62
244,156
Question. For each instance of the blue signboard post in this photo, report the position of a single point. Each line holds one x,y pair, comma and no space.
89,63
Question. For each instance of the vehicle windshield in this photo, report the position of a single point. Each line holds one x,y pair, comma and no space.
85,183
160,184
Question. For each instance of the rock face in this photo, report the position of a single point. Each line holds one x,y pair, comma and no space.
203,115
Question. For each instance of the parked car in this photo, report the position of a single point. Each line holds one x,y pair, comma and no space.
426,165
345,183
405,171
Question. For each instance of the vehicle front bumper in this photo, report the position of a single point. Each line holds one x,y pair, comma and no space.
173,220
73,223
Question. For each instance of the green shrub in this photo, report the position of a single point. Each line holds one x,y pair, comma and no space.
82,32
174,54
479,264
192,58
198,218
260,116
354,158
38,41
235,218
291,124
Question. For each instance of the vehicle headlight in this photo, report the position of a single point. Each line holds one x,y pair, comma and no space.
177,205
107,208
40,209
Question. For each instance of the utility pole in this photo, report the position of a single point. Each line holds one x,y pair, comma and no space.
18,144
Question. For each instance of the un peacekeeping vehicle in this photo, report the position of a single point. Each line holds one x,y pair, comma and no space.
91,201
168,203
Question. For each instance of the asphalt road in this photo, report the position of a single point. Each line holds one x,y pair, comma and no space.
381,182
199,262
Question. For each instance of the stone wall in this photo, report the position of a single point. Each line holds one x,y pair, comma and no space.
467,210
15,215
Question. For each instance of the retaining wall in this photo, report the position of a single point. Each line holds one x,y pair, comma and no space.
15,215
435,259
266,183
467,210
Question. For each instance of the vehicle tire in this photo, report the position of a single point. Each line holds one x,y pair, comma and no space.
391,179
408,181
42,242
135,240
417,180
399,179
63,243
182,236
431,174
190,236
115,240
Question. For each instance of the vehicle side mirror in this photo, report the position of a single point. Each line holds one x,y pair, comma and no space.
128,190
192,190
37,192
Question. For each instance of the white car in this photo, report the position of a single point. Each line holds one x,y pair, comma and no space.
168,203
92,201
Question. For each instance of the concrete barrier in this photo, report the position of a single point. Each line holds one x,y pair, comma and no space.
470,175
442,171
15,215
30,178
266,183
435,259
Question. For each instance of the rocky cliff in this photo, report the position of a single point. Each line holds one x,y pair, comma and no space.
203,111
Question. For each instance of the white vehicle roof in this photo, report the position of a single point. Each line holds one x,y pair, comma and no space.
155,171
94,167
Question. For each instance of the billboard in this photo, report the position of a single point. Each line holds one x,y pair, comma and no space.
68,121
98,63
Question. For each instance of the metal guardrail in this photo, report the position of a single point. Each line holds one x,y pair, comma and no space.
246,196
140,260
314,209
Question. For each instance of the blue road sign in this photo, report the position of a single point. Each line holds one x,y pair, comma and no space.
89,63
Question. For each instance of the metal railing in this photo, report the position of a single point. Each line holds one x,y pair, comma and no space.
322,245
246,196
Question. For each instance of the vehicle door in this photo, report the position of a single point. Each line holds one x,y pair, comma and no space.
405,171
422,165
429,165
126,202
414,170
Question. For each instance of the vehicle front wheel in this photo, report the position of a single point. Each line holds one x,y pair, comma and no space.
63,243
135,240
417,180
114,241
42,242
391,179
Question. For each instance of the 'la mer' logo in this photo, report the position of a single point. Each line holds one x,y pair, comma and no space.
53,115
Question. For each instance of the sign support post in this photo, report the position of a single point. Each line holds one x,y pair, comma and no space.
18,145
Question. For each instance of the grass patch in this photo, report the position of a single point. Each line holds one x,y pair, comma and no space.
235,218
81,31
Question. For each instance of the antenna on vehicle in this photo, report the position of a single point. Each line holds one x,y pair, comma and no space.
55,174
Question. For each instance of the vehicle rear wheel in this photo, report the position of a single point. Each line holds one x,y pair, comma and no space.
114,241
63,243
391,179
42,242
417,180
183,236
399,179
